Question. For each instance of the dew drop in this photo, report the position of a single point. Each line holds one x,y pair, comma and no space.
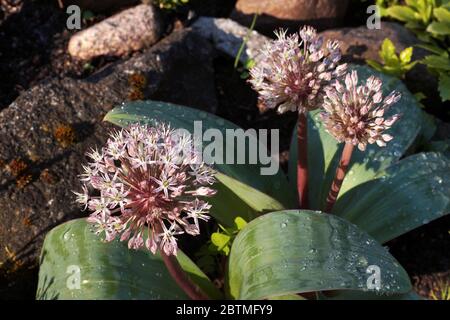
66,235
362,261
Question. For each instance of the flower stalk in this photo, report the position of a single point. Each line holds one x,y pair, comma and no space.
339,177
302,161
356,116
182,279
292,75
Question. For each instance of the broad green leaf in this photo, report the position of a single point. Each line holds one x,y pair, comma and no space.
413,3
324,151
419,5
402,197
439,28
437,62
242,190
402,13
72,253
444,86
442,14
287,252
424,9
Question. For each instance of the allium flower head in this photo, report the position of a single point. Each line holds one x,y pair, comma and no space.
355,114
147,178
294,70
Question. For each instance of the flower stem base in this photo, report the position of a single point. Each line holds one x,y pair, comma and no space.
181,278
302,161
339,178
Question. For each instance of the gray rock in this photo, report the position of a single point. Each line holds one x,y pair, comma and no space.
292,14
227,36
27,132
360,44
128,31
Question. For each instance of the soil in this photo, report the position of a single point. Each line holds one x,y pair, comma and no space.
33,48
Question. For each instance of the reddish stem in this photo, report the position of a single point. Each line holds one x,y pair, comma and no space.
181,278
302,161
339,178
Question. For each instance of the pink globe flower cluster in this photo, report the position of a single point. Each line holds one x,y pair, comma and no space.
146,186
301,73
295,69
355,114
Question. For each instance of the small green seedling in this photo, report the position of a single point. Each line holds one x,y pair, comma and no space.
393,64
223,240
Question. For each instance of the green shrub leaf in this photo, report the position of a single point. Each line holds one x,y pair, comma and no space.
438,62
406,55
442,14
439,28
388,53
402,13
444,86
